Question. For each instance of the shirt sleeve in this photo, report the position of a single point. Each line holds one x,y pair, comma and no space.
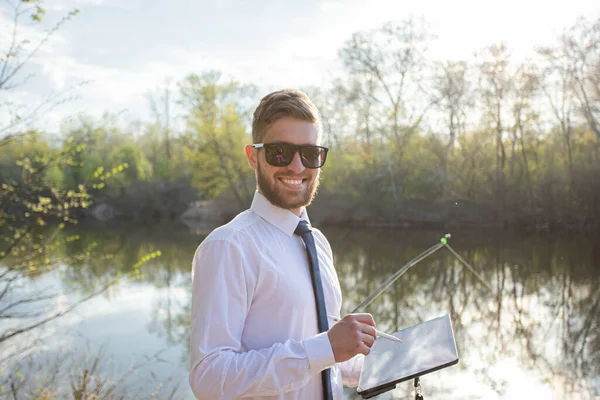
351,370
222,290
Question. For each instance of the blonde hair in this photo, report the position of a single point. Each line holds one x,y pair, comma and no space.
280,104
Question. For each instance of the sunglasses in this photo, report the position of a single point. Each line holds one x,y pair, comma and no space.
281,154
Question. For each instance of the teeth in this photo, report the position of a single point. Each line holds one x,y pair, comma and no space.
292,181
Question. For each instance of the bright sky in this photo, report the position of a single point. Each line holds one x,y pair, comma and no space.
126,48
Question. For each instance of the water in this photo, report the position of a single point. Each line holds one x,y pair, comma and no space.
536,333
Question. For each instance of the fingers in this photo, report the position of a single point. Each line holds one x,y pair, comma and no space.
354,334
364,318
368,334
367,343
369,330
368,340
364,349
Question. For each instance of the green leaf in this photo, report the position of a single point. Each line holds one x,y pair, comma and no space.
44,200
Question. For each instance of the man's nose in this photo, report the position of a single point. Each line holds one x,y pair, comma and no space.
296,164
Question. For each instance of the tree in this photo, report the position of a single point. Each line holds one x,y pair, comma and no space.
451,97
386,69
390,62
216,136
13,59
581,44
495,85
557,86
33,210
525,116
161,104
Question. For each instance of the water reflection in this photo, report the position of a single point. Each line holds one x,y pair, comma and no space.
536,333
542,319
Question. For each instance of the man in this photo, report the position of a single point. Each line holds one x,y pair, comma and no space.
254,319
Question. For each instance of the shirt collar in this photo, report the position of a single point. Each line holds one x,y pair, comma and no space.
284,220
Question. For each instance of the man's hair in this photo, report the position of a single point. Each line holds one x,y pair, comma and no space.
281,104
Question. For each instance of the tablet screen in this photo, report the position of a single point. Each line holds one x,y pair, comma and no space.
425,347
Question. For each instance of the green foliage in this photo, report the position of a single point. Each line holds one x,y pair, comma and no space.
45,187
216,137
490,133
163,166
139,169
220,154
33,212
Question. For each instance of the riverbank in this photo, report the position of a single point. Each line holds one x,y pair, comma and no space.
332,210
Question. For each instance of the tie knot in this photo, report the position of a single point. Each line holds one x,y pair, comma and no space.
302,228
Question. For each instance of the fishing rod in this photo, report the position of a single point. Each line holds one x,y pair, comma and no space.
394,277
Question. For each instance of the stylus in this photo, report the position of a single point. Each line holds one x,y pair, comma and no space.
379,333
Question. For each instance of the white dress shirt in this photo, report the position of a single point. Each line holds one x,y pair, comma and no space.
254,319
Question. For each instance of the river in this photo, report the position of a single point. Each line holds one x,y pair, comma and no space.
535,333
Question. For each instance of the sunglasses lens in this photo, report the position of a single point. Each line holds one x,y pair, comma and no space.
279,154
313,156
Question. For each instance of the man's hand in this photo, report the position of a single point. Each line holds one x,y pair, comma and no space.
354,334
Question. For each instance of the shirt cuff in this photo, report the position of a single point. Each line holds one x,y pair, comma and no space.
320,353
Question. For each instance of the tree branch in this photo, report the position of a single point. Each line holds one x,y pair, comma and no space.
12,333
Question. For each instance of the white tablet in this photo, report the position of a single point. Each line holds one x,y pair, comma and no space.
426,347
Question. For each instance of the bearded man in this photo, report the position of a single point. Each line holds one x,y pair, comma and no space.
256,332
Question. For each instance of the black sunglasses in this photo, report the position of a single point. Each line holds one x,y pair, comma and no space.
281,154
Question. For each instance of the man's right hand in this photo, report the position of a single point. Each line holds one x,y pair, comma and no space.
354,334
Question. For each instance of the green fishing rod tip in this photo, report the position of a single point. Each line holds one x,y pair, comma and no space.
444,240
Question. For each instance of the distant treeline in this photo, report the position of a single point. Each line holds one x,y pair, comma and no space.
414,141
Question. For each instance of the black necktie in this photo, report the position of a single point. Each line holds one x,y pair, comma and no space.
304,231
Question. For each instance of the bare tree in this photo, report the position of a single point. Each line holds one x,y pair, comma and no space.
557,76
452,98
386,68
18,53
391,59
581,44
495,85
526,87
335,112
161,104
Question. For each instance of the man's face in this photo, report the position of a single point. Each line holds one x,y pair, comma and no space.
293,186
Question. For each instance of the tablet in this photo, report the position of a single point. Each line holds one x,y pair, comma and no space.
425,347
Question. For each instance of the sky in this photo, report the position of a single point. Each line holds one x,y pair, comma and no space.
125,49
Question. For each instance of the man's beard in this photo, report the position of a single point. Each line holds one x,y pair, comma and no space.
278,198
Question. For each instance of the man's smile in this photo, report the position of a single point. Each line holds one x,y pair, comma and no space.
292,182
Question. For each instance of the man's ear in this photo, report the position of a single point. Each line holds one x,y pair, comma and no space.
251,154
